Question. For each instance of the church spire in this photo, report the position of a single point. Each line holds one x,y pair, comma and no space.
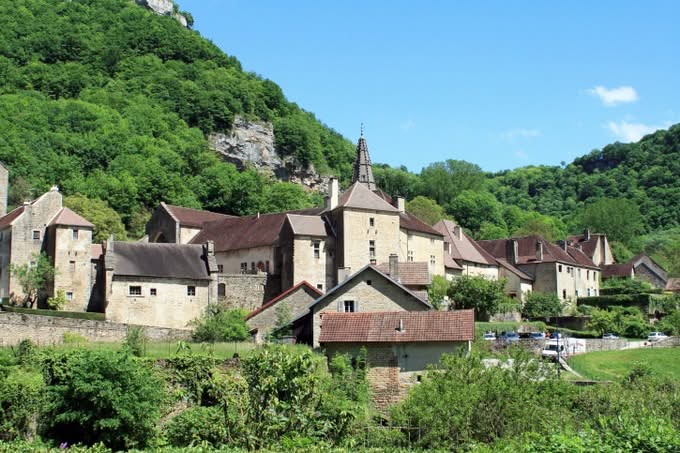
363,172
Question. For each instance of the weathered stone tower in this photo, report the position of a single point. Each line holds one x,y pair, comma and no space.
363,172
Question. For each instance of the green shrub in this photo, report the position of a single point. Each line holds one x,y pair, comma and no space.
538,305
194,375
197,426
93,316
670,324
135,341
100,396
21,395
221,324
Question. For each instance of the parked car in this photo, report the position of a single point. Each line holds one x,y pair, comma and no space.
656,336
509,337
610,336
490,336
556,335
537,336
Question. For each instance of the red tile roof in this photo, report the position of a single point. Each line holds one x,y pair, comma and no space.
193,217
514,270
410,222
588,245
411,273
282,296
383,327
70,218
526,247
465,248
617,270
7,219
361,197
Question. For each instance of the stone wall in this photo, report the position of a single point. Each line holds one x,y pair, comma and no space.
247,291
48,330
422,247
598,344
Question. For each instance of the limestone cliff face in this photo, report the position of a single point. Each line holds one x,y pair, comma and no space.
164,8
252,144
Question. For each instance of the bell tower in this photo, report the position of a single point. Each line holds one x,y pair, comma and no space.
363,172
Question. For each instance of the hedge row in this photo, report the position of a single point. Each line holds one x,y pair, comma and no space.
92,316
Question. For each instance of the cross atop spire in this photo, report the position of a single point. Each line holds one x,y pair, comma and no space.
363,172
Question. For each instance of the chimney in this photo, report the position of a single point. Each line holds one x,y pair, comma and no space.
586,234
458,232
401,204
333,194
343,273
210,248
401,328
394,267
512,250
539,251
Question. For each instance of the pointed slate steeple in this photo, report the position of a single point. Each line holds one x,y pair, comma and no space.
363,172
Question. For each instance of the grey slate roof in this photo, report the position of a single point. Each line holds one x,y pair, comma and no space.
307,225
141,259
363,172
360,197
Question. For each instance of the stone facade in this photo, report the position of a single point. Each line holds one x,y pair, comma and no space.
49,330
246,291
295,301
422,247
394,368
356,233
70,247
370,291
480,270
171,305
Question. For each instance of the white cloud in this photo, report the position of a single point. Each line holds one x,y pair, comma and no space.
632,132
521,155
408,125
614,96
520,133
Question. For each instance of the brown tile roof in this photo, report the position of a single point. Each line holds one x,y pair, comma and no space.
360,197
383,327
307,225
526,247
192,217
411,273
466,248
673,284
450,263
70,218
514,270
410,222
588,246
580,257
7,219
617,270
283,295
143,259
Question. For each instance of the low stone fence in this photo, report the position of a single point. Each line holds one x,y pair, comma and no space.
48,330
598,344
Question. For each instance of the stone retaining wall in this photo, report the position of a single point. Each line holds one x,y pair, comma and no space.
47,330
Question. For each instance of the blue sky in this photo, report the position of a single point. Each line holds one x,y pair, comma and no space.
502,84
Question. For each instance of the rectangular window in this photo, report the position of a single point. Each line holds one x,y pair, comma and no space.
588,292
252,266
244,268
577,293
587,275
371,221
564,294
433,260
152,292
36,235
135,290
317,250
220,268
371,249
69,295
349,306
72,266
75,234
191,290
559,268
410,255
319,286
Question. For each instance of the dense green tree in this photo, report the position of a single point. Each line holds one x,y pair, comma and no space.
33,277
471,209
541,305
619,218
482,294
106,221
442,181
219,323
425,209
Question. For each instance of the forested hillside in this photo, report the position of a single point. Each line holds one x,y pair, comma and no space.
107,99
113,103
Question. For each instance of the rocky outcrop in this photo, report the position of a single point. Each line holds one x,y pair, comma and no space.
252,144
164,8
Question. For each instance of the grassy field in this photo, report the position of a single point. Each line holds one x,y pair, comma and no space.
614,365
163,350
